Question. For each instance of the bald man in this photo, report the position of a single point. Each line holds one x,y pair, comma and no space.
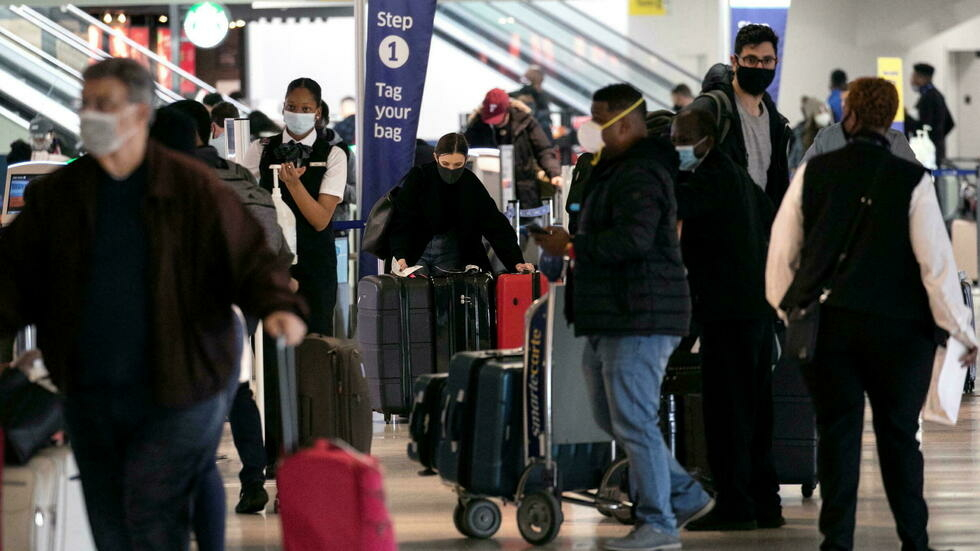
725,235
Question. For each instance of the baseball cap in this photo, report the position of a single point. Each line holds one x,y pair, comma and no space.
495,106
40,126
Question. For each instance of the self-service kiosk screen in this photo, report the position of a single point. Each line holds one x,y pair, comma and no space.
18,183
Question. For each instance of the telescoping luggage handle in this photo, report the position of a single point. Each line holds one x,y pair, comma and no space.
286,356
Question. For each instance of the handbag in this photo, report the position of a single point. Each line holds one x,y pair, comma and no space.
29,414
803,322
375,237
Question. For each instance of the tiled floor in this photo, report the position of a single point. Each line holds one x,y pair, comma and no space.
422,507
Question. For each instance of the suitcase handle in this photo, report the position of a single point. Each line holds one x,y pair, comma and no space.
286,358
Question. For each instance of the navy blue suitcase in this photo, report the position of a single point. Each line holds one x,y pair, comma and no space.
459,410
483,450
425,421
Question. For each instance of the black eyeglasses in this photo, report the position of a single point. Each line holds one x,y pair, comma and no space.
767,62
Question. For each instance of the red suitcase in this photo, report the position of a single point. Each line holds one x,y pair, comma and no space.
515,293
330,496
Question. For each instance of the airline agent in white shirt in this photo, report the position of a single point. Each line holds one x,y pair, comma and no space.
312,189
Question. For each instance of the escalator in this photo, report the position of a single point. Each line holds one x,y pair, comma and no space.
43,54
578,53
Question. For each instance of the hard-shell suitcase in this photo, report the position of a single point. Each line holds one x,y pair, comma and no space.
332,392
425,421
395,336
43,506
794,446
967,287
464,318
515,293
459,411
329,496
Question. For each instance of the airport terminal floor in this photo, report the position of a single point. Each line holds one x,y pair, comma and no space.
422,506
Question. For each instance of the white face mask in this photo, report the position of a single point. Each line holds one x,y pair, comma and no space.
100,131
299,123
590,133
221,145
822,119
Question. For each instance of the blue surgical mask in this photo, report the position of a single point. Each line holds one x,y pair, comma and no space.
689,161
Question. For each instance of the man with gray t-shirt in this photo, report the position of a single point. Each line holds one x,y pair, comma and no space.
758,137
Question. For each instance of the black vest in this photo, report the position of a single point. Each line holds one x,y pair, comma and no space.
880,275
313,247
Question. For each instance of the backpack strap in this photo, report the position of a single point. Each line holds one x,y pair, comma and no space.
723,111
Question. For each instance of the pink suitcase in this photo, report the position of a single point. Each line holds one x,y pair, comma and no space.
330,496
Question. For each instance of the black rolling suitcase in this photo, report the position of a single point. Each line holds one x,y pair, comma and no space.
682,411
464,315
794,447
425,421
332,392
971,373
395,335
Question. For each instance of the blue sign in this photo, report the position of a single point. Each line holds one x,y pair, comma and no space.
534,379
398,40
774,17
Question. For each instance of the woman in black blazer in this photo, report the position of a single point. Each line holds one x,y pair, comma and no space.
442,214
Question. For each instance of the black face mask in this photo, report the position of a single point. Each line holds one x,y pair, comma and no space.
755,80
450,175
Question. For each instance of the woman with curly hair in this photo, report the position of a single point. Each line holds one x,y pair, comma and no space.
859,238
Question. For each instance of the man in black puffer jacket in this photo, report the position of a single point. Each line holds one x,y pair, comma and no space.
631,300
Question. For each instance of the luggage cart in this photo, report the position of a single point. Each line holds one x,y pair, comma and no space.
553,415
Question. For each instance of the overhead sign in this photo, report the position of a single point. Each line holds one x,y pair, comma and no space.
206,24
397,57
890,68
648,7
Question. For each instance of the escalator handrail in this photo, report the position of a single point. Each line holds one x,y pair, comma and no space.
40,53
81,14
73,40
667,84
631,42
500,65
664,82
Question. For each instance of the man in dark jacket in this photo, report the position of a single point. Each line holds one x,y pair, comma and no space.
724,239
500,123
758,138
631,300
932,108
128,262
534,94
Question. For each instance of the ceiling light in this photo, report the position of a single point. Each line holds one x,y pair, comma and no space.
107,17
163,19
121,18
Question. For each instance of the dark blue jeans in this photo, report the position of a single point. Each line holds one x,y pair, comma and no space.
141,464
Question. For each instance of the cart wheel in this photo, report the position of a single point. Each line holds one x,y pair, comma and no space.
539,518
458,519
480,518
808,490
388,419
614,499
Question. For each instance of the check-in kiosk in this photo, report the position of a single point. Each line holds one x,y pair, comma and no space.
18,177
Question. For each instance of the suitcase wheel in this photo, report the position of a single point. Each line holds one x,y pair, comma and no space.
539,518
477,518
808,490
